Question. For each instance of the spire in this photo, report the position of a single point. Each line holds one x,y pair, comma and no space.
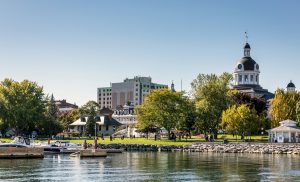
173,87
247,47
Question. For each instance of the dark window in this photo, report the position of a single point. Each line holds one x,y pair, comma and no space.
99,128
106,127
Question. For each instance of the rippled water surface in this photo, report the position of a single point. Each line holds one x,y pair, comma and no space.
155,166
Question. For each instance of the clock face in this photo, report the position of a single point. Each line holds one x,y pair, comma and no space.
257,67
240,66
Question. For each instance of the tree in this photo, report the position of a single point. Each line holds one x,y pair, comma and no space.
91,122
189,115
50,125
298,110
67,118
238,98
161,108
210,95
22,105
241,120
284,106
90,109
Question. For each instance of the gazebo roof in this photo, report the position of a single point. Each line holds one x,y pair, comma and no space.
285,129
288,123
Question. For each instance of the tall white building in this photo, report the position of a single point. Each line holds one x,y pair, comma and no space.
131,91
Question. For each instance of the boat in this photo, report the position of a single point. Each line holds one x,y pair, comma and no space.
20,148
61,147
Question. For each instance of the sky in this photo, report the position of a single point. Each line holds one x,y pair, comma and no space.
72,47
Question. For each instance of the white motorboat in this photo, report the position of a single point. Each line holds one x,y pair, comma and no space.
61,147
19,142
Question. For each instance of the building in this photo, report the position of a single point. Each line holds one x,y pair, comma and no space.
129,91
105,124
291,87
246,76
125,115
287,132
64,106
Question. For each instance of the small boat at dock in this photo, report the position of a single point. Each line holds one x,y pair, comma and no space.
20,148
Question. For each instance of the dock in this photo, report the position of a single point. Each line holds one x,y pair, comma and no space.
21,153
90,153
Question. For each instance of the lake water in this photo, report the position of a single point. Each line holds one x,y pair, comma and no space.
155,166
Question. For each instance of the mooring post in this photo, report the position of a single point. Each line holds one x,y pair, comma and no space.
95,144
84,144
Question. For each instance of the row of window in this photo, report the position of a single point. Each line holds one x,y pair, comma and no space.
104,94
246,78
108,98
106,102
105,90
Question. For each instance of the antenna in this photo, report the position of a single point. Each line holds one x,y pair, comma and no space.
246,36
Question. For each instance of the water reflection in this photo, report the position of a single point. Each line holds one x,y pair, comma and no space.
153,166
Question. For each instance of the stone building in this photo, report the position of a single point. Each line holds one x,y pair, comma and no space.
247,76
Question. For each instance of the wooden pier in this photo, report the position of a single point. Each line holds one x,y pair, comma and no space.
17,153
90,153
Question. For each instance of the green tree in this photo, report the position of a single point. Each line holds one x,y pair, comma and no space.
161,108
22,105
50,125
210,95
91,122
67,118
284,106
241,120
90,109
188,115
298,110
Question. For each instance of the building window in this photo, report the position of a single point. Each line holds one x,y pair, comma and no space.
100,128
251,78
246,78
106,127
103,94
240,78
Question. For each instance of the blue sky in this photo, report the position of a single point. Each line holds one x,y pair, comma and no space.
72,47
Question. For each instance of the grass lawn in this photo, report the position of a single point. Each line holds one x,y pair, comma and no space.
151,141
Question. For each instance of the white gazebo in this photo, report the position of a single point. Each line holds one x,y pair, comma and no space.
287,132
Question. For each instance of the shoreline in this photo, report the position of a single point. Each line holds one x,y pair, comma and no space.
258,148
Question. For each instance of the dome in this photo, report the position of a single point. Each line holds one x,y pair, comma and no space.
291,85
248,63
247,46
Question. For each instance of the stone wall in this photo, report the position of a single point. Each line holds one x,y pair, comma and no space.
263,148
